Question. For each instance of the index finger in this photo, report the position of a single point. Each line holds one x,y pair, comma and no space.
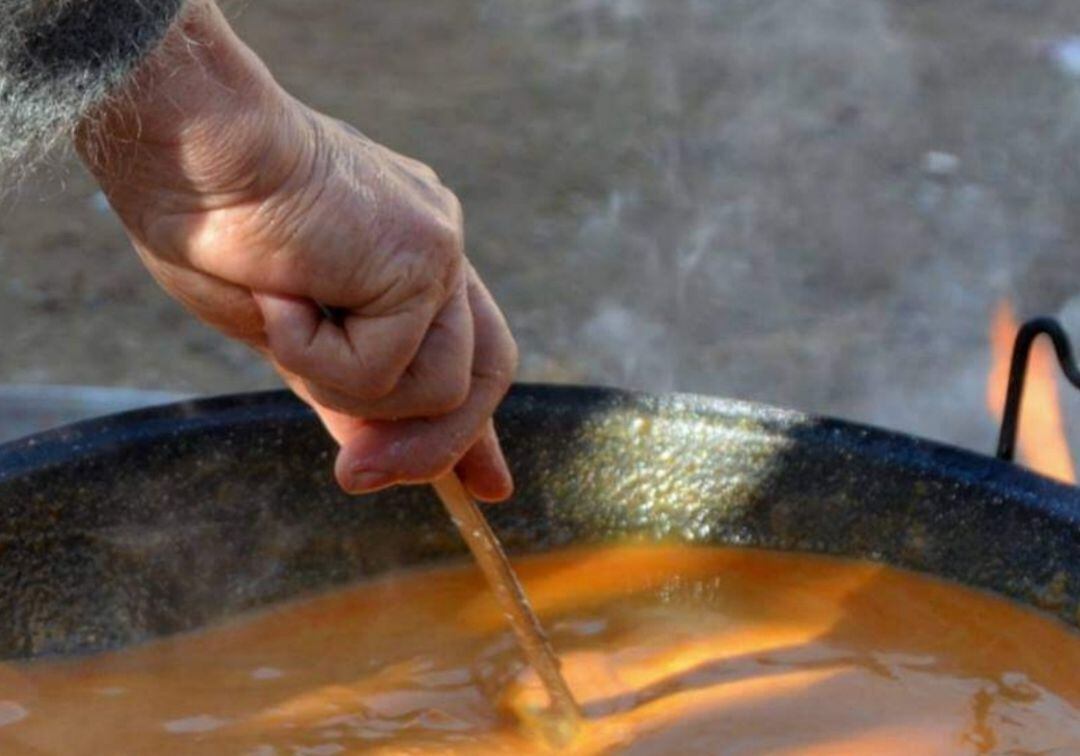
383,453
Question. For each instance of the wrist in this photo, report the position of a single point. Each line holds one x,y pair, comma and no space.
193,126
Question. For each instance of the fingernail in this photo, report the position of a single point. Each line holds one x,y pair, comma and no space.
369,480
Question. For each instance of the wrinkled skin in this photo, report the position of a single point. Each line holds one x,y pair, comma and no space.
251,209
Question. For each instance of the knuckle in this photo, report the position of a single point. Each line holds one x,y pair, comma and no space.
291,355
368,386
333,399
374,372
442,221
452,205
429,259
449,394
380,377
445,239
430,274
422,170
503,365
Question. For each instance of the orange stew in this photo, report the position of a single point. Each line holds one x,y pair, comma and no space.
669,649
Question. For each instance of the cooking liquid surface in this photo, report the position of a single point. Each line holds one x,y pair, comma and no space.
668,649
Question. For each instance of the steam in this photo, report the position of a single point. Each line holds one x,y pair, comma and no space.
809,203
782,208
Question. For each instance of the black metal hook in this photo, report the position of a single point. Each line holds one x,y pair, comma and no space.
1025,337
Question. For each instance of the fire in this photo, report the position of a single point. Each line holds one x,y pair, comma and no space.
1041,443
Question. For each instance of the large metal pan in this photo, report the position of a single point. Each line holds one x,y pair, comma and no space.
128,527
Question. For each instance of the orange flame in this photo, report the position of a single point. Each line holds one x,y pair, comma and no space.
1040,443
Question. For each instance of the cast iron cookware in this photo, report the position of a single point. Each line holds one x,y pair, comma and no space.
128,527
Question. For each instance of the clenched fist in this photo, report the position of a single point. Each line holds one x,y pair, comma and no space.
254,211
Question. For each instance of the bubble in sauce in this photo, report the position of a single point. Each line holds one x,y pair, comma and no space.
196,724
11,712
266,673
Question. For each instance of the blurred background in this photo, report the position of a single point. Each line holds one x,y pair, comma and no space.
811,203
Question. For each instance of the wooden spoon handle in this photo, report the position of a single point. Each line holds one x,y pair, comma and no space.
491,558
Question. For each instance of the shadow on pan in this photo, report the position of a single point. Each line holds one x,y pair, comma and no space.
129,527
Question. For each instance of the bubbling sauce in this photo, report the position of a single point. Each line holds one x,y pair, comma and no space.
669,649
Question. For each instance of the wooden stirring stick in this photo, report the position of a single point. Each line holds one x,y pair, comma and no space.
488,552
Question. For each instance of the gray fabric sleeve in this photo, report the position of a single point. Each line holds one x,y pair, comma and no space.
59,58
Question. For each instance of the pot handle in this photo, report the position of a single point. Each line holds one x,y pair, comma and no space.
1025,337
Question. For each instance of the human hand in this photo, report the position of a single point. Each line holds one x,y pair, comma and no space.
250,209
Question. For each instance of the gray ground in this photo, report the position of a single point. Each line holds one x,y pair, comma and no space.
812,203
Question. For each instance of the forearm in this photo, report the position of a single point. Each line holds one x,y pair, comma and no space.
61,58
194,121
